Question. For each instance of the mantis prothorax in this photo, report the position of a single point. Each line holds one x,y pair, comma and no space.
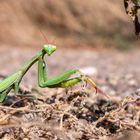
61,81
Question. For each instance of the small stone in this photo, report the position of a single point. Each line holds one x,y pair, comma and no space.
132,82
25,138
129,76
89,70
113,80
137,92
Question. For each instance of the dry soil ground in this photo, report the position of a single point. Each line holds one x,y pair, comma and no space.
77,113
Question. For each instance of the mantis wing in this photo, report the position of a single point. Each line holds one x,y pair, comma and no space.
4,84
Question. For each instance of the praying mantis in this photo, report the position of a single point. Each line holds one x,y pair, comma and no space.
61,81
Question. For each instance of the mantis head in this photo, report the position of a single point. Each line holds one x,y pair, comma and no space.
49,49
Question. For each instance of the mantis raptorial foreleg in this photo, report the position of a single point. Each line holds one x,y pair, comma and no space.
63,80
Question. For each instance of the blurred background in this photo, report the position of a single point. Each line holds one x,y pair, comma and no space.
89,35
67,23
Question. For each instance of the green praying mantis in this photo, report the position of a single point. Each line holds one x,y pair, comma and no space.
61,81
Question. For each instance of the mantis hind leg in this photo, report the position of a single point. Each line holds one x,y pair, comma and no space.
4,94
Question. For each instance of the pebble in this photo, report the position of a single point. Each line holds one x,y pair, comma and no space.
89,70
132,82
137,92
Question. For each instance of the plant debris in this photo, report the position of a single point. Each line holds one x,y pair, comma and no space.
73,115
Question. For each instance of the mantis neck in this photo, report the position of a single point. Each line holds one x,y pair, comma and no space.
34,59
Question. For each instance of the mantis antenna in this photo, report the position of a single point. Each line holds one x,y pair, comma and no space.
43,35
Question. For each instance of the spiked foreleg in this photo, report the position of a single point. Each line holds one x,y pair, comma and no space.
67,83
61,80
42,75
